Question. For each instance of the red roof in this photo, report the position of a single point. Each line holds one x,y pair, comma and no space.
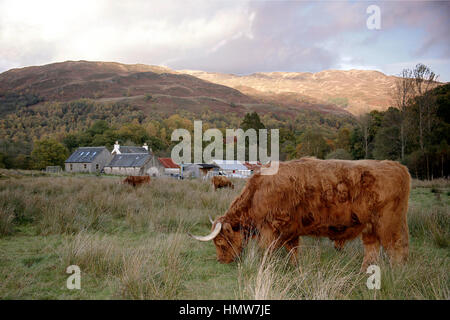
168,163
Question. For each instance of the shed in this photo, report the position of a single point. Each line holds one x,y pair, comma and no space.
233,168
165,166
133,164
88,159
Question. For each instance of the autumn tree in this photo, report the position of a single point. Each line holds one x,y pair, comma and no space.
312,143
133,132
424,80
388,139
48,152
402,94
343,139
252,121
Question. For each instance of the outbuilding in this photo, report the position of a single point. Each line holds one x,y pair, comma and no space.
233,168
132,164
88,159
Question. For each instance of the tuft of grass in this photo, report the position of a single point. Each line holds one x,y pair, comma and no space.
274,277
6,221
158,275
430,224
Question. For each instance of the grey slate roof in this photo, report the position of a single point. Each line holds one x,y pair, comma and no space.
129,160
131,149
85,154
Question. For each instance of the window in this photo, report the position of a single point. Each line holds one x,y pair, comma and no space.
71,167
85,165
96,166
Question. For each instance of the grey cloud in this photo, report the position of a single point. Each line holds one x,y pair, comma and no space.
217,36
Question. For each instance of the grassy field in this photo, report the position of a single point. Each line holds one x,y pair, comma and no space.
133,244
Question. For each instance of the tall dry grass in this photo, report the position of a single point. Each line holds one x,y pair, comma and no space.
269,275
135,241
68,205
153,270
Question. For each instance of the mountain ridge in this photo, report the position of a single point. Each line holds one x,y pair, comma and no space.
149,87
355,90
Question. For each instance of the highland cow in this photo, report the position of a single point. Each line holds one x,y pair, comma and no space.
136,181
221,182
338,199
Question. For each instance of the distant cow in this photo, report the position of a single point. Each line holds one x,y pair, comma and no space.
136,180
221,182
338,199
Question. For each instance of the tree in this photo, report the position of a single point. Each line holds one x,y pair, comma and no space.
2,160
368,125
343,139
364,123
424,79
71,141
312,143
48,152
402,93
133,132
252,121
356,144
387,142
443,152
99,127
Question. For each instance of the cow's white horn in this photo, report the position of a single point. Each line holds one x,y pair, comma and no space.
211,220
210,236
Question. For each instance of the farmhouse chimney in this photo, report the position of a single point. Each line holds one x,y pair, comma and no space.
116,149
145,146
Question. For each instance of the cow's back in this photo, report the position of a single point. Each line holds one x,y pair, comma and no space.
311,192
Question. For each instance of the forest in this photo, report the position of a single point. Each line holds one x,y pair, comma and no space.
415,130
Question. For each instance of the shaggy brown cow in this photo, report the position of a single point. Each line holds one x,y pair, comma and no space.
338,199
221,182
136,180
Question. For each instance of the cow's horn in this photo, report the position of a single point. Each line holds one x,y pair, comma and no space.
210,236
211,220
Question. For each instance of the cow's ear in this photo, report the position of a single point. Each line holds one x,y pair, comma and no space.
227,228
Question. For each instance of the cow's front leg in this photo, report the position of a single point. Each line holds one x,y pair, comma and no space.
339,244
371,250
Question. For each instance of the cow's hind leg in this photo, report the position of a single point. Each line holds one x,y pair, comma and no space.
393,233
371,248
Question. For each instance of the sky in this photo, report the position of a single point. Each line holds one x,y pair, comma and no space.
230,36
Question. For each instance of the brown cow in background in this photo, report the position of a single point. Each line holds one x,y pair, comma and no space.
338,199
136,181
221,182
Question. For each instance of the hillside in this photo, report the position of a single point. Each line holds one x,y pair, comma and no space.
150,88
354,90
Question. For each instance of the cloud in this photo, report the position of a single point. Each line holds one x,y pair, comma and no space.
226,36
